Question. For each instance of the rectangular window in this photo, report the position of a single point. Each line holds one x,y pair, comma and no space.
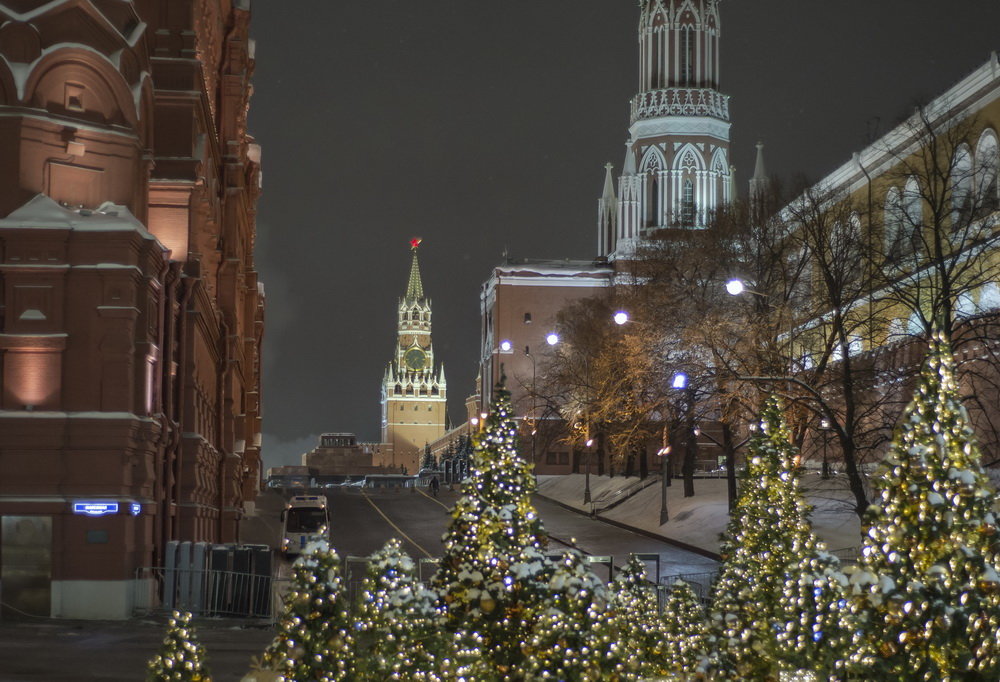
550,458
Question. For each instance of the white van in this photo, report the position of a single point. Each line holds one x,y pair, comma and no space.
304,518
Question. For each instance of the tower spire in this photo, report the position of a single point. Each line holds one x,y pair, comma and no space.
415,287
759,182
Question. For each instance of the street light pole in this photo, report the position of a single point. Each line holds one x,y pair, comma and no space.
534,422
586,487
824,426
664,454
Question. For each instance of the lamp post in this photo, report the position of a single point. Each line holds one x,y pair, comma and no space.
681,383
824,426
534,422
664,454
586,485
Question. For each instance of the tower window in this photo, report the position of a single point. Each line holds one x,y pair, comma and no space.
527,318
687,205
687,55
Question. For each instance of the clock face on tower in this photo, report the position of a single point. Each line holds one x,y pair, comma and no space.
415,359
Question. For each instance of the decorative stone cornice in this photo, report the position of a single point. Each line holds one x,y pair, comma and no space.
680,102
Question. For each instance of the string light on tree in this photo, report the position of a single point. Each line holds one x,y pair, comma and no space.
927,590
181,657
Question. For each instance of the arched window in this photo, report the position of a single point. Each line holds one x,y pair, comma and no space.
893,220
989,297
652,165
987,166
913,217
961,186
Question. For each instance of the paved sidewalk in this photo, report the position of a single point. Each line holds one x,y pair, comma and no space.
117,651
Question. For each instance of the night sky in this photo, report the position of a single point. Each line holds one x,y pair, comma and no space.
484,127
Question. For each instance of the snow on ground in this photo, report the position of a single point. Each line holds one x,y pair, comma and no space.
699,520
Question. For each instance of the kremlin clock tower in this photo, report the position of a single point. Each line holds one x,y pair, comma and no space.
413,389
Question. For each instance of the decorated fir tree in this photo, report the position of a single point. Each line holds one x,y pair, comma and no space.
494,524
634,617
685,647
314,639
398,628
181,656
927,586
572,637
777,602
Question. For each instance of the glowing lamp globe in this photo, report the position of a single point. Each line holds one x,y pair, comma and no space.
735,287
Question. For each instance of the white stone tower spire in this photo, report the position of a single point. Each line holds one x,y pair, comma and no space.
759,182
677,160
607,213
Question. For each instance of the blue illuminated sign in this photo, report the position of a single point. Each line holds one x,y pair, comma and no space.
135,508
95,508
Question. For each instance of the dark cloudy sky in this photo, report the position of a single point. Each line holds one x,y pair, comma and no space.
484,126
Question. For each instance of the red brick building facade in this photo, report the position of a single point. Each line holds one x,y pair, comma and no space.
132,316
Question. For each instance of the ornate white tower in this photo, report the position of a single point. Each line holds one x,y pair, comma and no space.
676,167
413,390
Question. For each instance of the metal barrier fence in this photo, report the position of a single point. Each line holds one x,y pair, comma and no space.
700,583
207,592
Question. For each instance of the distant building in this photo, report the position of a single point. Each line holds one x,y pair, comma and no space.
131,316
414,410
676,172
340,454
518,305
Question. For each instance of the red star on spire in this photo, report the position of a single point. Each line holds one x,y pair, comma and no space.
415,242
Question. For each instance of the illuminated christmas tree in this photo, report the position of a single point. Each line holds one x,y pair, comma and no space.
927,584
777,602
573,637
181,656
314,639
494,526
398,627
634,617
685,633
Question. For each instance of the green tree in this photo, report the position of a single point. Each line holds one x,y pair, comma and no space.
634,617
398,628
573,637
778,601
314,639
494,527
181,656
686,640
927,587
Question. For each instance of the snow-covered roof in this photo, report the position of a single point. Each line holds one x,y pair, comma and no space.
42,212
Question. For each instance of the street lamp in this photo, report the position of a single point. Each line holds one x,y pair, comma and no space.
505,346
824,426
620,317
552,338
664,454
534,423
681,383
586,487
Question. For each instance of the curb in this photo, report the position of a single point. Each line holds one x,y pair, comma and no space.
638,531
